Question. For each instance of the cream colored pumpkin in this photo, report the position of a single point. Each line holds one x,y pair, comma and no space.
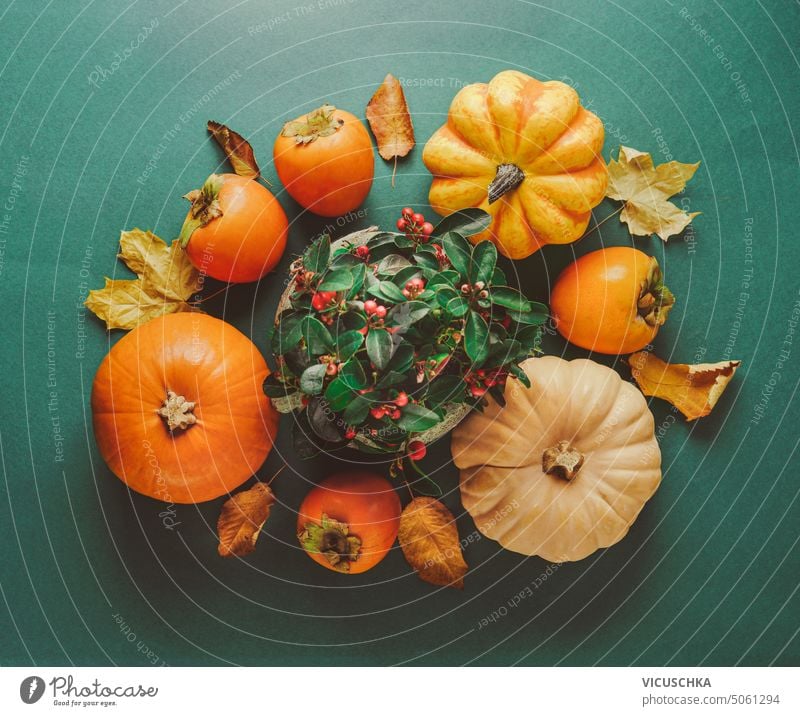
565,468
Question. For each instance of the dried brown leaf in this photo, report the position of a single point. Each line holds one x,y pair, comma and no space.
165,284
693,389
388,117
429,539
241,520
645,189
237,149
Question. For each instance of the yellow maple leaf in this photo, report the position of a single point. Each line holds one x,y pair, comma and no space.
645,189
166,281
693,389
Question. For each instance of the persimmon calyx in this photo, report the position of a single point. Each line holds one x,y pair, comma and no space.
331,539
177,412
205,207
508,178
318,123
655,299
562,460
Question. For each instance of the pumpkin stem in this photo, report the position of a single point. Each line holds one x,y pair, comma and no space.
655,299
562,460
205,207
508,177
177,412
333,540
319,123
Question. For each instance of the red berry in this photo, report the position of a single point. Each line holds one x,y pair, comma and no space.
370,306
331,369
377,413
380,311
350,433
416,450
395,414
418,219
427,228
409,285
318,302
402,224
477,390
401,399
406,293
408,212
418,283
506,322
362,251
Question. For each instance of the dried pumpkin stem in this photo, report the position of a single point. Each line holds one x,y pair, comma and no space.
177,412
205,207
319,123
333,540
508,178
562,460
655,299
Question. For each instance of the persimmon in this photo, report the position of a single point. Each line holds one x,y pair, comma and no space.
179,413
349,521
325,161
611,301
235,230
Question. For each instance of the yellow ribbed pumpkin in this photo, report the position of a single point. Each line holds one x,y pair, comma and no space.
525,151
565,468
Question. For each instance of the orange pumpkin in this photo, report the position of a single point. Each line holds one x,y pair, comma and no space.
525,151
179,413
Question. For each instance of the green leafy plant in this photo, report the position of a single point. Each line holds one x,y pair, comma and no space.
380,341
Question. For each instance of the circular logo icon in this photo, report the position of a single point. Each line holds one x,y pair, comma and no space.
31,689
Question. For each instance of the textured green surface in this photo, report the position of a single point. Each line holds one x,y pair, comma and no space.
708,574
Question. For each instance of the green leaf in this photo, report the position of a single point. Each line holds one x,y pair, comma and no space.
536,317
387,291
389,379
287,333
484,259
520,374
338,280
318,339
448,277
352,374
459,252
498,277
528,336
415,418
379,347
407,314
273,388
359,274
356,412
445,294
404,275
347,344
457,306
402,359
445,389
510,298
318,254
465,222
476,338
312,379
323,420
426,260
391,264
338,394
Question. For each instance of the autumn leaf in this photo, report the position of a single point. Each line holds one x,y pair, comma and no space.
693,389
645,189
429,539
237,149
241,520
388,117
166,281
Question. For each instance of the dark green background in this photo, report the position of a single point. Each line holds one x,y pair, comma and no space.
708,574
